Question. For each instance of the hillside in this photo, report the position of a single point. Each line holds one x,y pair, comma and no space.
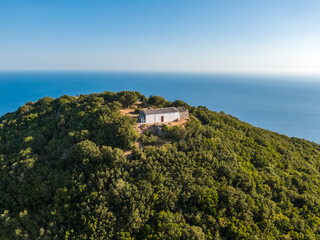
64,175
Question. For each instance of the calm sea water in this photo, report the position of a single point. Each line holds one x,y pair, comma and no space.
288,105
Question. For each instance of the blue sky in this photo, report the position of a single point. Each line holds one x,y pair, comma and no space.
160,35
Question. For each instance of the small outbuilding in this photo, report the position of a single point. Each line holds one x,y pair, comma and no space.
184,113
162,115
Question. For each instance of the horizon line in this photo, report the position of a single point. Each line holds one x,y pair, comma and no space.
311,72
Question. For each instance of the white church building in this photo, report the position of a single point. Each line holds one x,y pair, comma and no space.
162,115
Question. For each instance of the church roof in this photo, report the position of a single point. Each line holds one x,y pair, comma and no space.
182,109
160,111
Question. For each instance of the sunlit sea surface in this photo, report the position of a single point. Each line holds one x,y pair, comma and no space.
285,104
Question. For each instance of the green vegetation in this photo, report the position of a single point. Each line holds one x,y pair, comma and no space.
64,176
147,138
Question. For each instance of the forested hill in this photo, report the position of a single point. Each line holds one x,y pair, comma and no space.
64,175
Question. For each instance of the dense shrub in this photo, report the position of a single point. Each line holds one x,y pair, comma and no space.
64,176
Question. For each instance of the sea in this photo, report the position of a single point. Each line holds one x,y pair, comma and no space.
285,104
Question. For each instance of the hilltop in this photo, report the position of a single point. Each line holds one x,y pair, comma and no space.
64,174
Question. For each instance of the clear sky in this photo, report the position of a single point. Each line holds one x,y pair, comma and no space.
160,35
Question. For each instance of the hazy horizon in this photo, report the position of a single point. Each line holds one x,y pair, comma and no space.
287,75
